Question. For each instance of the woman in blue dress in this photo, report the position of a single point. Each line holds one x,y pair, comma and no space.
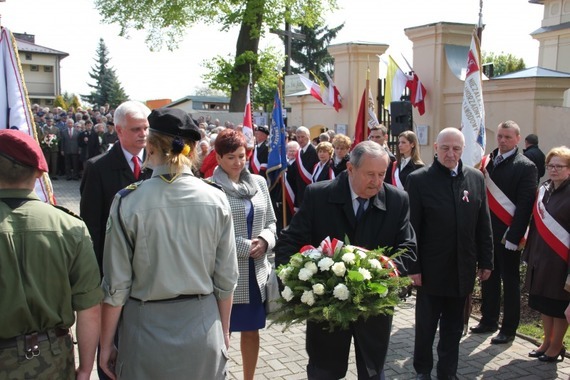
254,225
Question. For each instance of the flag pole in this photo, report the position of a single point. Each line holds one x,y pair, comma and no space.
282,174
366,92
480,23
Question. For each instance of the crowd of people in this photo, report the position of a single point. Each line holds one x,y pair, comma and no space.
176,264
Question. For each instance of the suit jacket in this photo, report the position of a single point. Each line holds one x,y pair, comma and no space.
103,177
410,167
536,155
325,174
327,211
451,218
516,176
69,144
262,153
263,226
309,159
341,166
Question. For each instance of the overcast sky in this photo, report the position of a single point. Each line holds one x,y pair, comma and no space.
74,27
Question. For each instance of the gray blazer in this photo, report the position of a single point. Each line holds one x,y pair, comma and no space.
264,227
69,144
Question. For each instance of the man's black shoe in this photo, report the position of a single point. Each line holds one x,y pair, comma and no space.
482,329
502,338
423,376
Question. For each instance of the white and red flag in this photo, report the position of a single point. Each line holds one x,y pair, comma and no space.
248,119
473,108
417,93
316,90
333,99
15,111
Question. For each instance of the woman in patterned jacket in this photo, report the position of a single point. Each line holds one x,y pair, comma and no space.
254,225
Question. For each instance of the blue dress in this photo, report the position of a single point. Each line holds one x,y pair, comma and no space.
249,316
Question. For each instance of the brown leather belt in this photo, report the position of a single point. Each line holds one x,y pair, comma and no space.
39,337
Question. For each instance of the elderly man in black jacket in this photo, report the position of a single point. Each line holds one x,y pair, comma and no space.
449,212
329,208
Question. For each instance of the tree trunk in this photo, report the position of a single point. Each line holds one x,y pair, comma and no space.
248,40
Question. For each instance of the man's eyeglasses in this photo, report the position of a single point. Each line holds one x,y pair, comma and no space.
556,167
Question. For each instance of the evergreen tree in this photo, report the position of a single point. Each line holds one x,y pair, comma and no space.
312,54
107,88
60,102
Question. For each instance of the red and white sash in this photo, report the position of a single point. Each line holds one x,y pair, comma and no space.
499,203
549,229
396,176
256,166
289,195
316,168
303,173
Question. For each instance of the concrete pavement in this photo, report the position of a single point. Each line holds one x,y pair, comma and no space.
282,354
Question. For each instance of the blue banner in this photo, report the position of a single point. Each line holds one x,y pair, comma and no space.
277,160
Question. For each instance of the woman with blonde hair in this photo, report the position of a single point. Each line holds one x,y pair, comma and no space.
341,144
407,160
547,251
169,266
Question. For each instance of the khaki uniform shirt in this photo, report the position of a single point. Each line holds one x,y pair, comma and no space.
47,267
183,238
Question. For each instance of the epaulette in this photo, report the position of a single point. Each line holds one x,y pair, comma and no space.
129,189
212,183
67,211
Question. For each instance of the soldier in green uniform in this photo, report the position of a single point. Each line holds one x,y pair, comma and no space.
48,271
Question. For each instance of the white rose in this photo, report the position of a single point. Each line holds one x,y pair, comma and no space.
319,289
341,292
314,254
308,297
339,269
305,274
375,264
348,258
312,267
362,254
365,273
325,264
287,294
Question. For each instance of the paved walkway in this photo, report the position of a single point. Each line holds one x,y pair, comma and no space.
282,354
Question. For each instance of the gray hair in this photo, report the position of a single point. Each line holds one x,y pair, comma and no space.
293,144
303,130
369,148
131,108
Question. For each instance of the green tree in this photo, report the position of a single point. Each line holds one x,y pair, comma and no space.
107,88
221,75
74,102
503,63
312,54
208,91
60,102
165,22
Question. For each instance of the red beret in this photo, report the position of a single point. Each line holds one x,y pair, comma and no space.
20,147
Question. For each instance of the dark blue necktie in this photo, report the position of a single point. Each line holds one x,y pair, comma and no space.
360,210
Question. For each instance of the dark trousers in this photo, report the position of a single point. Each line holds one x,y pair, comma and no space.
72,164
328,351
430,310
507,269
